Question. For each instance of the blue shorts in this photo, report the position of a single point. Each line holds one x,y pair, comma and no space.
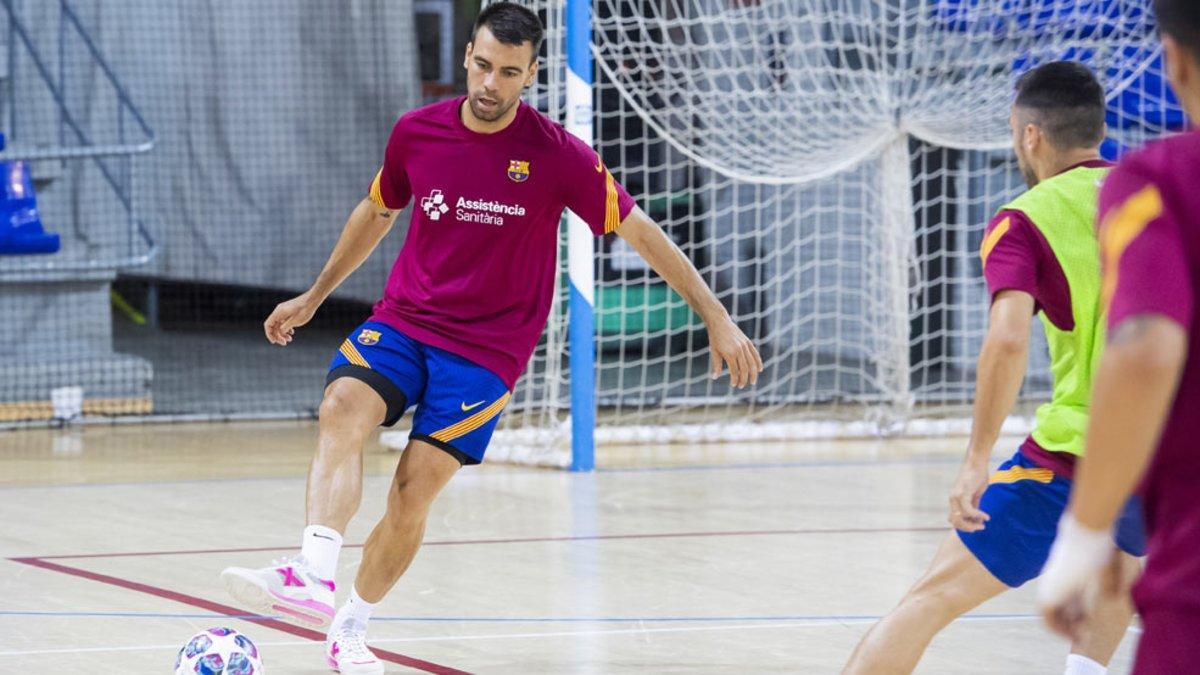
458,402
1025,503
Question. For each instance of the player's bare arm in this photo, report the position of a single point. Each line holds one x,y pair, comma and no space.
728,343
1135,384
365,228
1001,370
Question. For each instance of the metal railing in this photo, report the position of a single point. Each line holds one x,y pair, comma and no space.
111,151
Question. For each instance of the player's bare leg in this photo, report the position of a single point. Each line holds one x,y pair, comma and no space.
422,473
350,412
301,588
955,583
420,476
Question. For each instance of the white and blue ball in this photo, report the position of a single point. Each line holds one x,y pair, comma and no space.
219,651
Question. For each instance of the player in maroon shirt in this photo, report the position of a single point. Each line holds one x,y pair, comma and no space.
1005,521
463,310
1145,422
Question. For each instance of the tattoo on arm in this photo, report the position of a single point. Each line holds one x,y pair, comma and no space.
1130,330
385,214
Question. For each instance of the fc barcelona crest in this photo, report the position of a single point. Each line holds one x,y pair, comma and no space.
518,171
369,337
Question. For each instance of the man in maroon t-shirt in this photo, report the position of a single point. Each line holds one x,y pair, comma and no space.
1005,521
464,307
1147,390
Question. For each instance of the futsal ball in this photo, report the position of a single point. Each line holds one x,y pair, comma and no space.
218,651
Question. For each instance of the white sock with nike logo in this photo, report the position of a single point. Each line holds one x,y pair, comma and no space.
358,609
320,547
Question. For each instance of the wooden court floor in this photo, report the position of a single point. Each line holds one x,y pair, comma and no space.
770,558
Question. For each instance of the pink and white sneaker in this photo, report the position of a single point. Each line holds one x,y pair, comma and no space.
346,652
288,588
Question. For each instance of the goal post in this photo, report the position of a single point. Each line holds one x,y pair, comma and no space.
580,246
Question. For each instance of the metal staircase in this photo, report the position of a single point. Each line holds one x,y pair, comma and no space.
66,113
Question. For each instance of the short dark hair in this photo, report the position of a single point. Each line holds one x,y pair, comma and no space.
1181,20
512,24
1067,101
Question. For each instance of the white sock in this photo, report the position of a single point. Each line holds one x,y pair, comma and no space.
359,609
320,547
1078,664
356,612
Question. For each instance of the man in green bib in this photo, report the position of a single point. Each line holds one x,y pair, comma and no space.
1040,256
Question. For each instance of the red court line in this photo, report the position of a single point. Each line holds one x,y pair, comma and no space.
229,611
530,540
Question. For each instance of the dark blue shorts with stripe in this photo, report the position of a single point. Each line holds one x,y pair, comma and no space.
1025,502
458,403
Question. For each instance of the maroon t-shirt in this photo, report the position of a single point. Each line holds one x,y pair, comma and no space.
1150,242
1017,257
476,274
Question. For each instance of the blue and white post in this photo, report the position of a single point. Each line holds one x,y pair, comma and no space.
580,252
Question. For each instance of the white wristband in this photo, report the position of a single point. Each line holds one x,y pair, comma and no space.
1090,548
1078,553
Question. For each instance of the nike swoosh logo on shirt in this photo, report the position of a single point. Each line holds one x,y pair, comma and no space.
466,407
599,165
